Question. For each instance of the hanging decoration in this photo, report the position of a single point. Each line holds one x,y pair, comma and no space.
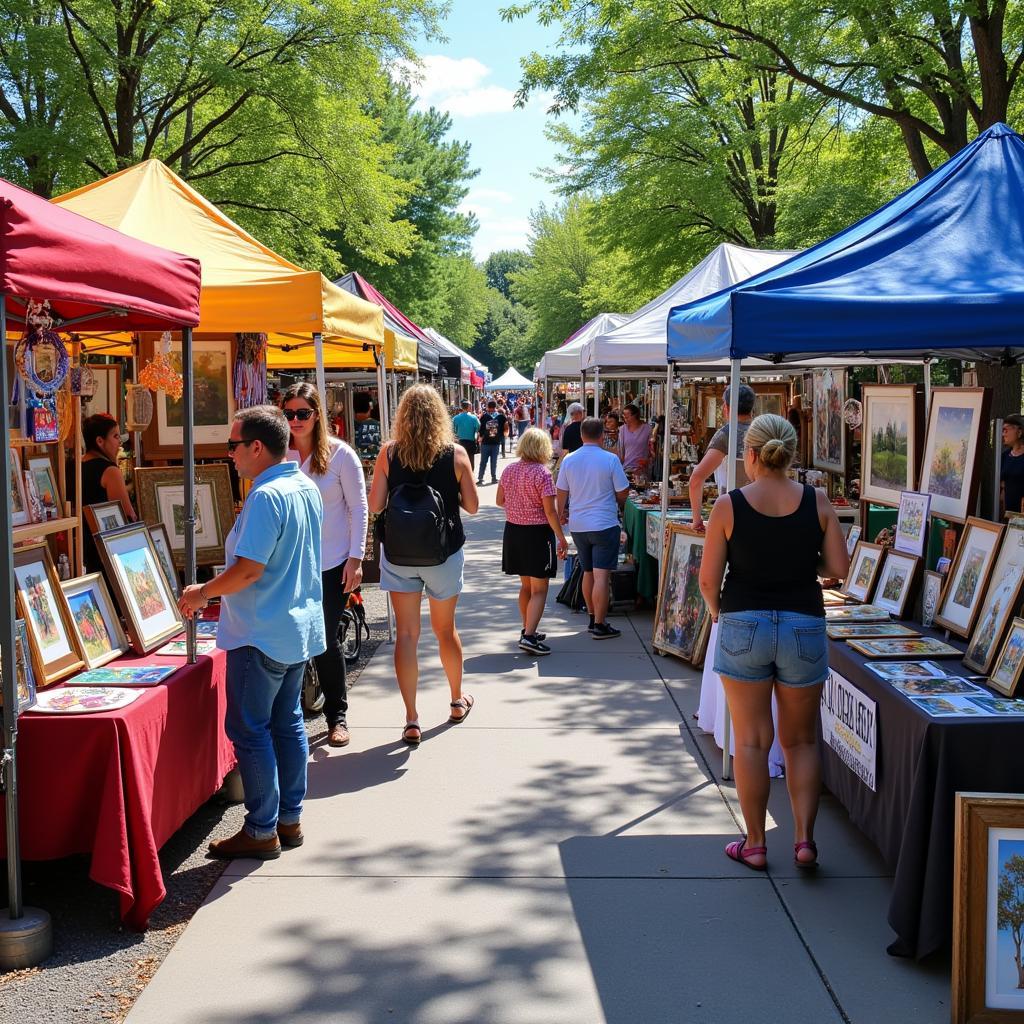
41,356
83,380
65,415
42,418
159,375
853,414
250,373
138,407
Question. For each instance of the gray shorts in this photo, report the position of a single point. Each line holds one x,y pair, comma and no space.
440,581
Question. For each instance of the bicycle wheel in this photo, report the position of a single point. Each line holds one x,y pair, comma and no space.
312,696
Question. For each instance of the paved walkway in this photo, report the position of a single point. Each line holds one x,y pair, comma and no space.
557,858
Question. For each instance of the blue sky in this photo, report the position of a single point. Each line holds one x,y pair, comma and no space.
474,77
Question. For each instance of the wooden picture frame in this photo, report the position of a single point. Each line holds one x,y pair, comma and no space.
912,523
931,592
891,441
213,398
851,539
968,577
94,619
680,614
904,647
109,394
864,566
957,418
1006,672
988,845
142,590
104,515
828,433
40,469
162,543
867,630
160,494
895,582
25,689
21,508
41,603
1001,600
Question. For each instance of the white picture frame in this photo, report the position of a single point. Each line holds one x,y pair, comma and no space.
956,419
21,508
912,522
889,439
895,582
864,566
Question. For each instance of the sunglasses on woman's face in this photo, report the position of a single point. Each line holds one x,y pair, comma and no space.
298,414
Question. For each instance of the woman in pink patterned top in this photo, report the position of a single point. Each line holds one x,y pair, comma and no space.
527,493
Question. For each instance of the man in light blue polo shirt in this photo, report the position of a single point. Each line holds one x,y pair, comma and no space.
466,427
271,624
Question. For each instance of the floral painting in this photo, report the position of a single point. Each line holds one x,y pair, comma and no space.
140,574
91,628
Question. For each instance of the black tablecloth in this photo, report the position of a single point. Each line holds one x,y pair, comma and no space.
921,763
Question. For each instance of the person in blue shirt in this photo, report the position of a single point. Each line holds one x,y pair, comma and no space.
271,624
466,427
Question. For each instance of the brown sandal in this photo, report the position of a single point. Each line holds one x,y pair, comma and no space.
409,740
465,701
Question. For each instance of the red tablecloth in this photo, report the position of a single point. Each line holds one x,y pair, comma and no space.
118,784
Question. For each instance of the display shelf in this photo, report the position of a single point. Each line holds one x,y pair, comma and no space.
32,530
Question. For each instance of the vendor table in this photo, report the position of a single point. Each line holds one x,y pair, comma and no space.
921,763
117,785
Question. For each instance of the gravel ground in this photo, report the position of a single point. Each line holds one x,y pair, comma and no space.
98,968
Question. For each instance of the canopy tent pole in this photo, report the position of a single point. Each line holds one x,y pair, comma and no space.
734,428
597,391
666,461
385,426
321,380
26,934
188,445
927,387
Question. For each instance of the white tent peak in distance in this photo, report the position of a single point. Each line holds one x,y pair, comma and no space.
564,361
510,380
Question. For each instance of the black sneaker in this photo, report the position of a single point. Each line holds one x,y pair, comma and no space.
602,631
536,636
533,645
590,628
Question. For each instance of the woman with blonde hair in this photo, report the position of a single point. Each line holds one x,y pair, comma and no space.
336,470
777,537
527,493
423,461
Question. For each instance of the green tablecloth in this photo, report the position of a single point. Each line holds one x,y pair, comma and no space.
634,521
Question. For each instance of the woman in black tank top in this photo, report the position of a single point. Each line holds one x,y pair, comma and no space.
423,450
775,537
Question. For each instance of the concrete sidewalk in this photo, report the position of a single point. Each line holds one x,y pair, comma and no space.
556,858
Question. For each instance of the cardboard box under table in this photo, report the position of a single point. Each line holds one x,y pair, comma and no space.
116,785
920,762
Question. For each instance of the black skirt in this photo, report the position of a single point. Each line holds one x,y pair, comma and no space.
529,551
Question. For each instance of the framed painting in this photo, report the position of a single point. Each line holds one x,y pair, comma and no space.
911,522
988,906
1001,600
40,469
213,399
867,630
952,450
968,578
21,510
895,582
104,515
864,566
133,569
931,592
904,647
162,543
851,539
41,602
94,619
681,613
26,688
891,433
857,613
828,450
108,394
160,492
1006,672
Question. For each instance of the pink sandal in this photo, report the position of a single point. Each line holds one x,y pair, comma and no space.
739,852
805,844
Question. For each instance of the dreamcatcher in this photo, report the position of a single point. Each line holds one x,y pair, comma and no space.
42,361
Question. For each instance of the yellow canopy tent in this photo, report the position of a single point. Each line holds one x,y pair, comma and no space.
246,286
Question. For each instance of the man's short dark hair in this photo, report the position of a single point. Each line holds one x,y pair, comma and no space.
592,428
361,402
492,405
745,403
467,405
633,408
265,423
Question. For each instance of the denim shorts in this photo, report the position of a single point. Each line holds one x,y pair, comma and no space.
757,647
598,549
440,581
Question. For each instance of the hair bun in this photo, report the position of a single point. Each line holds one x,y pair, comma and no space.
773,453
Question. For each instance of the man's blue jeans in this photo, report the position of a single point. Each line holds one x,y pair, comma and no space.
264,722
488,453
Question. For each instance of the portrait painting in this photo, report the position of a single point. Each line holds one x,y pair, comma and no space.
680,620
828,449
890,435
968,577
955,422
1001,599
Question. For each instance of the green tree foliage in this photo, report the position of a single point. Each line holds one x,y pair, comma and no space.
499,267
502,334
463,286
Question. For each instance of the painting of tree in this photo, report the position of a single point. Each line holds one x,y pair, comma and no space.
1010,908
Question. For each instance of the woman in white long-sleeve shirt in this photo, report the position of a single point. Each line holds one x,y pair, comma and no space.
335,468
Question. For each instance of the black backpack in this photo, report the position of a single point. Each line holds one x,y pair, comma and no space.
417,525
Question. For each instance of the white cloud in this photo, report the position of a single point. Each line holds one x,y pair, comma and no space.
500,233
457,85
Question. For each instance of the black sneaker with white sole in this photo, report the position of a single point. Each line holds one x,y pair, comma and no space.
590,628
533,645
602,631
536,636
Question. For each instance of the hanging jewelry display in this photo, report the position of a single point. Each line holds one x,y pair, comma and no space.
83,380
250,373
138,407
159,375
41,356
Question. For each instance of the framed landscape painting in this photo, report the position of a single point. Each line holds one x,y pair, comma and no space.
95,619
968,578
931,592
828,447
1001,600
864,566
681,617
162,543
895,582
912,522
1006,672
952,449
891,435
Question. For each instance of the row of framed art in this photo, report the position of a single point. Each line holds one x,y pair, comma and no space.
34,494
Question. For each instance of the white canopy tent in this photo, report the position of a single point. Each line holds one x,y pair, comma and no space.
510,380
564,361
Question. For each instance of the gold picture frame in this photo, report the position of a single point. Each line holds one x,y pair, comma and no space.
1001,600
681,621
968,576
1006,671
94,619
864,566
104,515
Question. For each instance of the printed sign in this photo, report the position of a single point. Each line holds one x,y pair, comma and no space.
849,725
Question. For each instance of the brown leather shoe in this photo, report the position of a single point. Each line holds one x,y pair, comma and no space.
241,844
290,835
338,736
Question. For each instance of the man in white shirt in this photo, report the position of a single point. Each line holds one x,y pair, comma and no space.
597,485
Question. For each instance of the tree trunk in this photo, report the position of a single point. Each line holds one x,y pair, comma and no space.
1005,382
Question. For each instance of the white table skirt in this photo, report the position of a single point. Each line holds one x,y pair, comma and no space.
712,710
